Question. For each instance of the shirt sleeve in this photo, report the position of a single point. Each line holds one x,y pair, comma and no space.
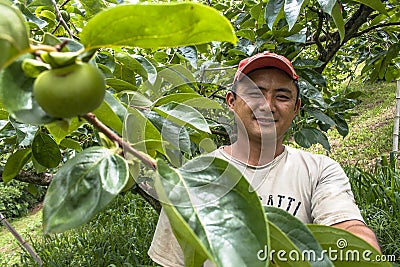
165,249
333,201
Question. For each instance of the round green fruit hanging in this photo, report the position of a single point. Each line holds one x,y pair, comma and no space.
70,91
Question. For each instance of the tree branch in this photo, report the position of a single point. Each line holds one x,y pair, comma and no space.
317,34
351,27
62,21
148,161
377,27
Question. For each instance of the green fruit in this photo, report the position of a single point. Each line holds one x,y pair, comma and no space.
70,91
65,15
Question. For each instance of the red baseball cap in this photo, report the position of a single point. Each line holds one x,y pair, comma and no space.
262,60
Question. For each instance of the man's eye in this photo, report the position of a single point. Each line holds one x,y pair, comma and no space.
283,97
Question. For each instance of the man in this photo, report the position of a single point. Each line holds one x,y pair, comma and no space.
314,188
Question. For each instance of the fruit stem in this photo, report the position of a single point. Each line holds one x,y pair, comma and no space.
147,160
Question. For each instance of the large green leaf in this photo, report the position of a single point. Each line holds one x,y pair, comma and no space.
308,136
17,97
292,11
180,78
300,235
82,187
120,85
45,150
139,65
375,4
111,112
319,115
93,7
61,128
14,39
183,115
281,246
175,135
327,5
272,11
148,26
338,19
215,213
346,249
15,163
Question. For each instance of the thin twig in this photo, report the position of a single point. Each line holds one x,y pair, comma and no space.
63,4
148,161
61,20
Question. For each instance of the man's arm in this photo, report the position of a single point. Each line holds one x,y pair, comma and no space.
359,229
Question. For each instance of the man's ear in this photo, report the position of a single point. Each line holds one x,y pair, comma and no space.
298,105
230,100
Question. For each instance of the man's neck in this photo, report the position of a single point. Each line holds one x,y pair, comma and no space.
255,153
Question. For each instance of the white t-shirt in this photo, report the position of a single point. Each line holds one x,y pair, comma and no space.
312,187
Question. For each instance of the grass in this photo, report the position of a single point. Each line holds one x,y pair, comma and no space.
371,131
118,236
28,227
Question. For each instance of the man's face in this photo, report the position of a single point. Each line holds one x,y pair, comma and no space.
265,105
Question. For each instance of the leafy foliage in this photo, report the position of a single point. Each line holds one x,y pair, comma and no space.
164,105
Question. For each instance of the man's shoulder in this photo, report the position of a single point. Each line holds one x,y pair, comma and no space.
307,156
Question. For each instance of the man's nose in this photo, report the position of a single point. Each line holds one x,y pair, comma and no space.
267,103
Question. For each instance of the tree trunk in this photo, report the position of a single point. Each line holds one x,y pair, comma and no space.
351,29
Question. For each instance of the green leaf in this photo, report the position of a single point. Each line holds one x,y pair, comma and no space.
347,249
306,137
45,150
272,11
327,5
59,129
175,135
338,19
300,235
193,100
111,112
281,242
135,99
82,187
71,143
216,214
319,115
15,163
378,5
292,11
306,63
147,26
138,64
93,7
120,85
17,97
14,40
180,78
137,128
31,17
183,115
190,54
